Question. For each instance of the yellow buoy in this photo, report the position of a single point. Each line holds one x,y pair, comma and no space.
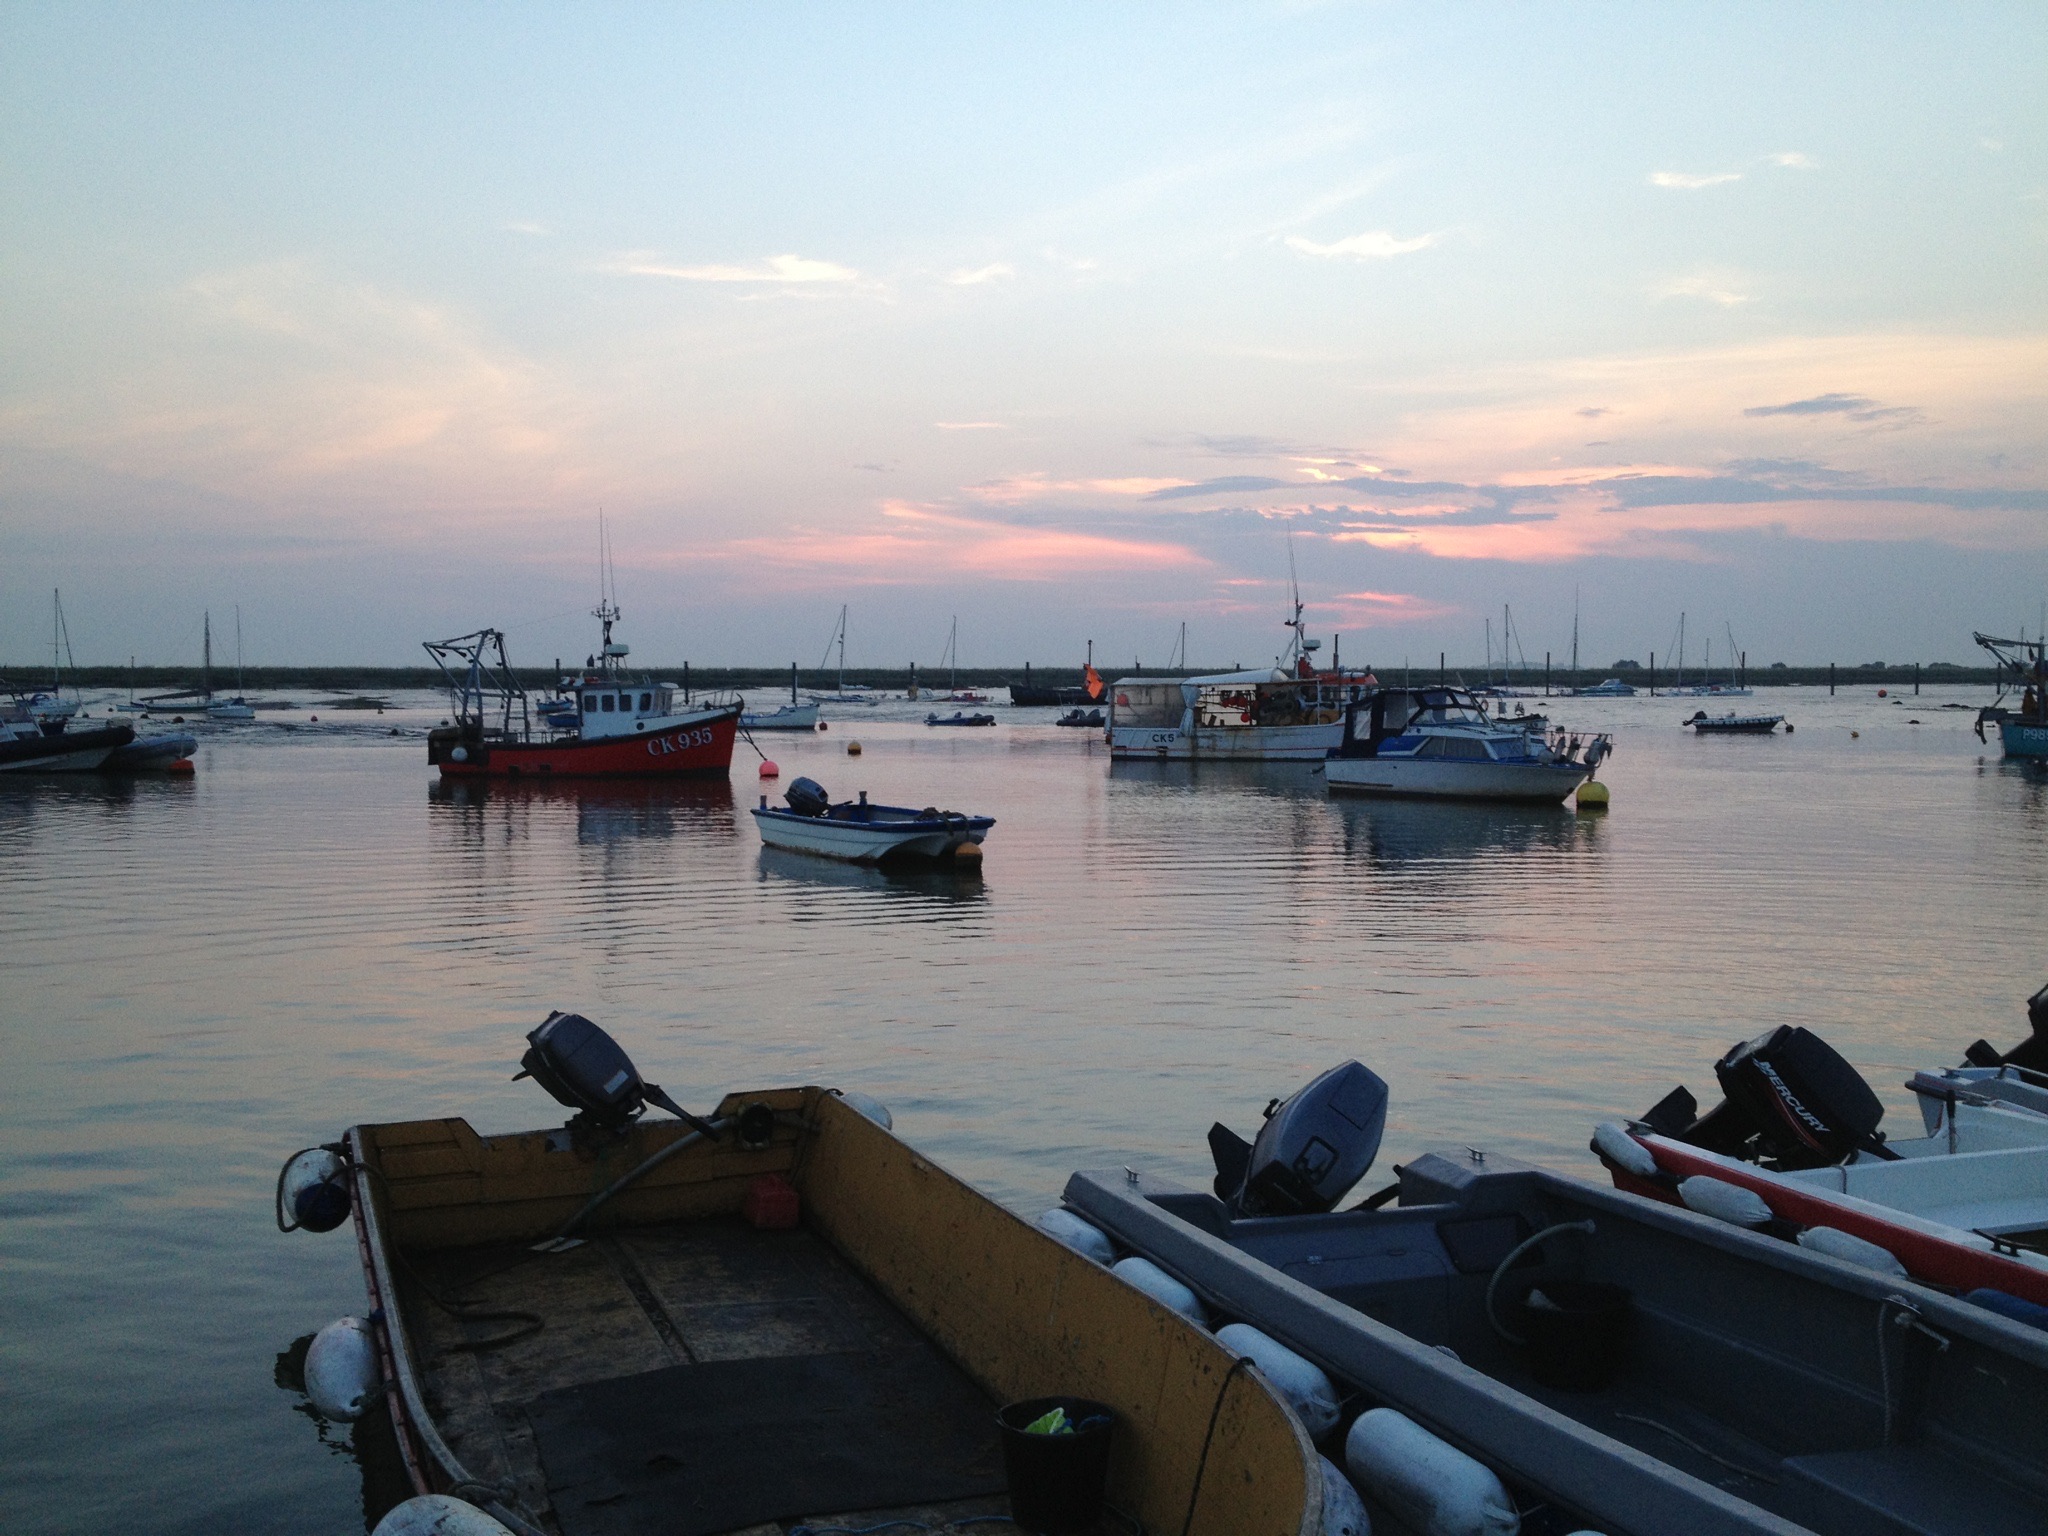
853,749
1592,794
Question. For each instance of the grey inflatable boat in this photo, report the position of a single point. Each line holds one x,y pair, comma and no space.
1620,1364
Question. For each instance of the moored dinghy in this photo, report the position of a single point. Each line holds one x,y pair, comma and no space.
1616,1364
779,1314
865,832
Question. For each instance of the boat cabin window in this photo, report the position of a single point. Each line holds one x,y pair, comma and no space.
1154,705
646,703
608,703
590,703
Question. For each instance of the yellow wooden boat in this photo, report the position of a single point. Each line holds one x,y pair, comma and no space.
576,1385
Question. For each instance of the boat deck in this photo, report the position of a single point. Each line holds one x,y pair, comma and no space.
680,1369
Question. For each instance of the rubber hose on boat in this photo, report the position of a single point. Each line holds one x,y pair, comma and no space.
1493,1285
687,1139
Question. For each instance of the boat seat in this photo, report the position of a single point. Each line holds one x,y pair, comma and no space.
1915,1490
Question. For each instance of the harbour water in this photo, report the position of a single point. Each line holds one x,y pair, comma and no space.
201,976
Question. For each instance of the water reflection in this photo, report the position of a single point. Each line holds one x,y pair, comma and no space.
1393,831
370,1442
1273,779
605,812
927,880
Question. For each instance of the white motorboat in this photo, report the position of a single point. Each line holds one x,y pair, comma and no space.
1796,1140
1612,688
1440,743
864,832
790,717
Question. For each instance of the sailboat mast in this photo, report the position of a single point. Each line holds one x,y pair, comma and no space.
953,652
238,650
206,658
842,647
1575,637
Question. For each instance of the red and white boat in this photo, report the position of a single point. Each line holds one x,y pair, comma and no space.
1794,1147
602,724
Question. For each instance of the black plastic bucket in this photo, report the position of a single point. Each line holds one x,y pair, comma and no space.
1580,1342
1057,1482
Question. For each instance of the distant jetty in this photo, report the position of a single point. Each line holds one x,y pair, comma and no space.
378,680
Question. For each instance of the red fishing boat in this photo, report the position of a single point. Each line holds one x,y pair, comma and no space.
601,724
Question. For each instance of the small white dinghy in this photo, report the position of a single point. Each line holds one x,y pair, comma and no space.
864,832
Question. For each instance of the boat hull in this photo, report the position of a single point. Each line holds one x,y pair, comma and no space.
887,1239
791,717
1454,779
2021,738
697,746
1932,1251
870,842
150,752
66,752
1227,744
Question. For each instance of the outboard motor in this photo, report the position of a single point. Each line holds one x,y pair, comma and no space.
585,1068
1311,1150
2031,1053
807,797
1791,1100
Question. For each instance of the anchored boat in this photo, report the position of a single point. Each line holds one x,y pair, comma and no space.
866,833
1440,743
958,718
604,725
2022,728
1536,1352
1732,724
776,1314
1796,1141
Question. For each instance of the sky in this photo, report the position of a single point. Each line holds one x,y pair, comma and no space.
1069,323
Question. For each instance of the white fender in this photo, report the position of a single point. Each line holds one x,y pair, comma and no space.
1091,1242
436,1514
1308,1391
873,1108
341,1368
1624,1151
1343,1511
1724,1201
1851,1249
1434,1488
1162,1288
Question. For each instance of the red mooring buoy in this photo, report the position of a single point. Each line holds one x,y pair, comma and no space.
768,769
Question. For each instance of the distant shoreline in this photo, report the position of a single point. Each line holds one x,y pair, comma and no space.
354,679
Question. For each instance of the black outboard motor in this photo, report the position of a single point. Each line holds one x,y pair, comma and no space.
1792,1101
807,797
585,1068
2031,1053
1311,1150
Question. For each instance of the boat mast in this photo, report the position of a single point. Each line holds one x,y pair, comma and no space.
1681,647
607,610
238,652
206,659
842,647
953,655
1575,637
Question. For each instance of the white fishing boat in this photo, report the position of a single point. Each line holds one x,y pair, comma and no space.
864,832
1291,712
1440,743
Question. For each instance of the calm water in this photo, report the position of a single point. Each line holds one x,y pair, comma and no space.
200,977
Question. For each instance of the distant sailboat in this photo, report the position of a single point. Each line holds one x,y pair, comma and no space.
955,694
237,708
859,693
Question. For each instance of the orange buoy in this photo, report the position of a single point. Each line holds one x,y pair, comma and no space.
179,765
768,768
1880,693
853,749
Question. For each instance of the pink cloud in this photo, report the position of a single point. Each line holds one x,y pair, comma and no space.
918,542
